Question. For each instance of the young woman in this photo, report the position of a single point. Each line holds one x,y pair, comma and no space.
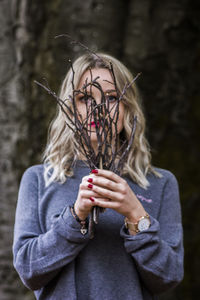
137,249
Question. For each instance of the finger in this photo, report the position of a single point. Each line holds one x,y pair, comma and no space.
96,200
87,193
104,182
108,174
106,193
88,202
86,184
105,203
85,178
89,184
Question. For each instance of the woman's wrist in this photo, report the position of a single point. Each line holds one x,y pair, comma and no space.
136,214
83,223
81,215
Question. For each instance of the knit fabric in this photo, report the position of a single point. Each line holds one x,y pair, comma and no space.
55,260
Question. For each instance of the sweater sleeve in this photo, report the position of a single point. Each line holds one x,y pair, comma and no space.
38,256
158,251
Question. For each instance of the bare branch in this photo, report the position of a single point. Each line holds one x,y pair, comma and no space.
109,154
73,41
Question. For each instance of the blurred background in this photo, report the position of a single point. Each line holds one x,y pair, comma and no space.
161,39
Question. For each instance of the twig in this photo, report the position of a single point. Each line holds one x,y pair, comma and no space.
105,116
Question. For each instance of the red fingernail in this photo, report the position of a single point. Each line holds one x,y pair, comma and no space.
90,186
95,171
90,180
92,199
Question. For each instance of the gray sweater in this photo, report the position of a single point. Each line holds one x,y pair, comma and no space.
55,260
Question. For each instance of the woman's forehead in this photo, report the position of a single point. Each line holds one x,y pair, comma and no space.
103,77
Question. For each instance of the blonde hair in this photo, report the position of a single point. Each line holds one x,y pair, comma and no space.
60,151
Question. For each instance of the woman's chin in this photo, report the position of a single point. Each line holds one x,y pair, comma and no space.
94,140
93,137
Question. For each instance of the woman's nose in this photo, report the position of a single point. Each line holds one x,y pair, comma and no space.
97,100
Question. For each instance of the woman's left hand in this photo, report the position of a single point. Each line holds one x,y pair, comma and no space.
117,193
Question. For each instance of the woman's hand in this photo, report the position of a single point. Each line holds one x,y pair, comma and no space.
108,190
86,197
114,192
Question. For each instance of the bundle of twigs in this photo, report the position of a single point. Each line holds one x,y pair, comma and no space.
110,155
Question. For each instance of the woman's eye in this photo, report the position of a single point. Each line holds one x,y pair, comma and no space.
84,98
111,98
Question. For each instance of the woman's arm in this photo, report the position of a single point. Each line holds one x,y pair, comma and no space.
158,251
39,256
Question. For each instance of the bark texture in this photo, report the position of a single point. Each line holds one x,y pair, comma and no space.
159,39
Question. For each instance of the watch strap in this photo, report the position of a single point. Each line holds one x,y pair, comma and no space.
134,226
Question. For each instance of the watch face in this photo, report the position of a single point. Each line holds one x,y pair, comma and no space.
144,224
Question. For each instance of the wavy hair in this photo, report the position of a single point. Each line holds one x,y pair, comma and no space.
60,152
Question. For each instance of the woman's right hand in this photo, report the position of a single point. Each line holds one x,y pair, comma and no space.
85,199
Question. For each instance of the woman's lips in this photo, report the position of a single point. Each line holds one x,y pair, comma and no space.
93,124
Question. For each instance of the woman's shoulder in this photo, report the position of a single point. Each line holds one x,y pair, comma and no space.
33,172
162,175
35,169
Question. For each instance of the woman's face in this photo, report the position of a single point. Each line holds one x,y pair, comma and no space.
93,93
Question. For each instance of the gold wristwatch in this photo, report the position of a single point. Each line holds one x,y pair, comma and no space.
142,224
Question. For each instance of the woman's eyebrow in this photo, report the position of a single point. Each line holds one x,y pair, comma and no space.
110,91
